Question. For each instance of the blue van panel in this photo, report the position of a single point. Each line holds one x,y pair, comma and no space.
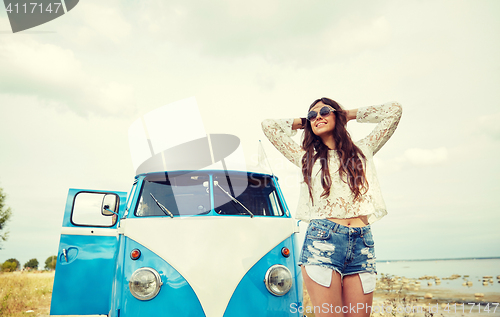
251,297
87,270
90,269
176,297
117,289
280,196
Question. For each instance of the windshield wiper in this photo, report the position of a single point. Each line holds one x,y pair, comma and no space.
234,199
163,208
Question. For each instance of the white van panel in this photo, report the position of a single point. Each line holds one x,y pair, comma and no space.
233,245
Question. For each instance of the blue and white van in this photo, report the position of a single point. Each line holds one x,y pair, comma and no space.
181,243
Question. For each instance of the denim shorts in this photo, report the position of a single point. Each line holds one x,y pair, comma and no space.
347,250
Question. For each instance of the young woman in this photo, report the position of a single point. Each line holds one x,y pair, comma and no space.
340,197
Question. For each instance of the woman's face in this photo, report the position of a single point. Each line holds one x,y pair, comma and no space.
322,125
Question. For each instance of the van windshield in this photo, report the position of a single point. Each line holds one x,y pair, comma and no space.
187,194
255,192
181,195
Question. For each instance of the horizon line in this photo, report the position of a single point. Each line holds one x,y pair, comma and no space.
443,259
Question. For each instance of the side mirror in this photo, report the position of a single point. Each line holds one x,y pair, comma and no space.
109,205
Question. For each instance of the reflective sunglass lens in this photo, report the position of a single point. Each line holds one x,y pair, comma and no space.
324,111
312,115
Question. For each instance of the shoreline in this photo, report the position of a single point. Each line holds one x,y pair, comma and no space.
440,297
398,296
431,285
399,292
443,259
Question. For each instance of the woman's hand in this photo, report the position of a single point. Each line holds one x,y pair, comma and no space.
351,114
297,124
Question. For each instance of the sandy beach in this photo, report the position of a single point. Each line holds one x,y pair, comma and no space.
415,295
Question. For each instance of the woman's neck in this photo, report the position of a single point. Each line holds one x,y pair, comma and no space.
329,141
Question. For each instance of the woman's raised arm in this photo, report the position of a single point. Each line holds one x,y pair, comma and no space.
279,133
387,116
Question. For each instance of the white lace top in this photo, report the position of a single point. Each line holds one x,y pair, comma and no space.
339,203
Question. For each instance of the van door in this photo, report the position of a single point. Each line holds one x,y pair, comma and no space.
87,252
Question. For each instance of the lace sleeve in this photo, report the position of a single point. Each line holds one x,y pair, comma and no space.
279,133
387,116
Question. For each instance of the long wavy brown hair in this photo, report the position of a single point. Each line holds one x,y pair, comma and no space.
351,168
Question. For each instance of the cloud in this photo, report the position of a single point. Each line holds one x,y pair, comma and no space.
412,157
420,157
102,21
55,75
279,31
488,126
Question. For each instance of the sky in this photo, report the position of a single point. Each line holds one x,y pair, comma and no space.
70,89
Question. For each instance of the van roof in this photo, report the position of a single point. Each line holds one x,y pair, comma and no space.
232,172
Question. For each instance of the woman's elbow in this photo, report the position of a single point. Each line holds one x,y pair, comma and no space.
266,124
397,108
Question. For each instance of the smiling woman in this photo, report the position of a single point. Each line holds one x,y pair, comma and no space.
320,119
322,135
340,203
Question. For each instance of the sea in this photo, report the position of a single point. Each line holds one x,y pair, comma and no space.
476,269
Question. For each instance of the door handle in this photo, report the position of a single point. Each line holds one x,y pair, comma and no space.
65,254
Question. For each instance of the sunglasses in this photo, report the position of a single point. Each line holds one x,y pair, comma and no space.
324,112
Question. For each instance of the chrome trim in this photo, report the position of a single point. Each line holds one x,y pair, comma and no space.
65,255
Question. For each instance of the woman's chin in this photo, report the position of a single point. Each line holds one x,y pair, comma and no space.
322,131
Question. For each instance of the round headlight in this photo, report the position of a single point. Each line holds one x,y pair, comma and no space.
278,280
145,283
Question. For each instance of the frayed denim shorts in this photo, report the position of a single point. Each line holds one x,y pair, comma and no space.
347,250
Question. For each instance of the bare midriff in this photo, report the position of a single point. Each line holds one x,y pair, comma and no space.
360,221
